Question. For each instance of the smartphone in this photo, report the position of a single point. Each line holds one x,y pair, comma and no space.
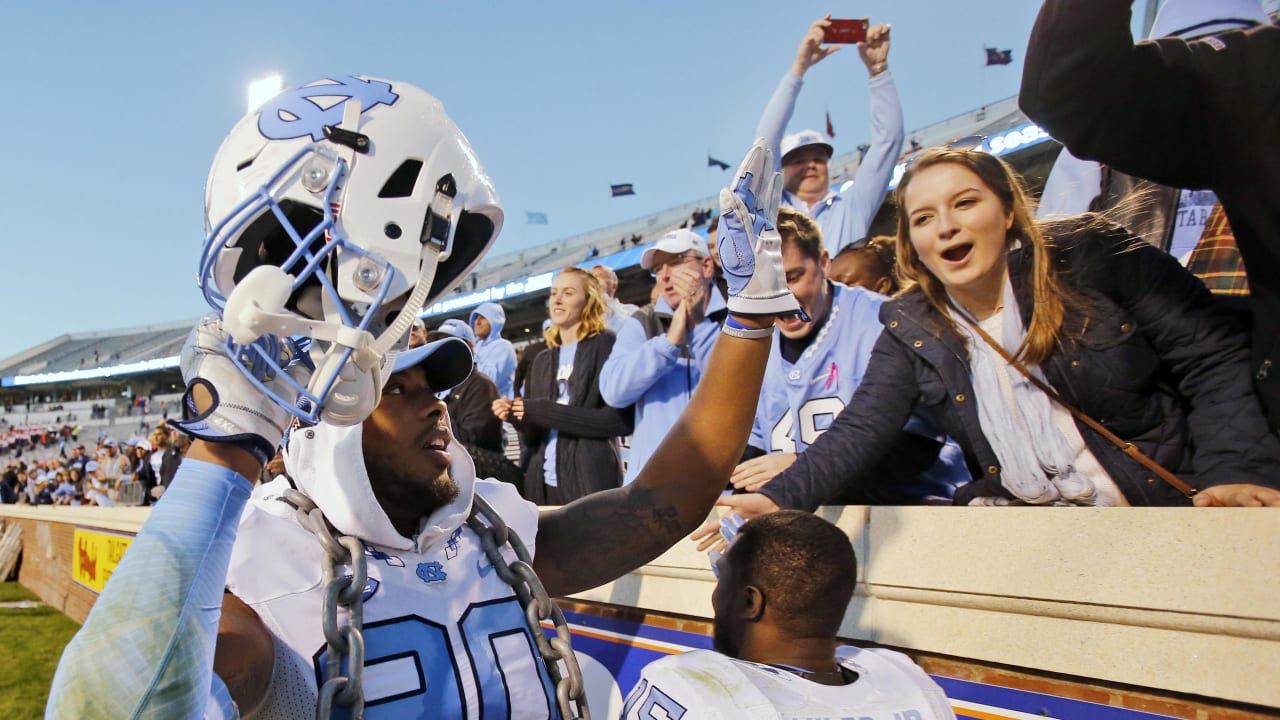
846,32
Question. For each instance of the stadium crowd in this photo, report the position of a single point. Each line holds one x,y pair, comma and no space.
1178,370
42,467
640,365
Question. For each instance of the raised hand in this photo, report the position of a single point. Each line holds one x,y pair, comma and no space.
811,51
224,405
748,243
874,51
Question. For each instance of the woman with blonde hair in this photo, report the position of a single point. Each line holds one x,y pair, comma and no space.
573,432
1030,344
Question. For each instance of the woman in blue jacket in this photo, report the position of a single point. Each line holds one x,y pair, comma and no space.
1116,327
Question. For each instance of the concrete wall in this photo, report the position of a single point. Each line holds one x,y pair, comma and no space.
1171,608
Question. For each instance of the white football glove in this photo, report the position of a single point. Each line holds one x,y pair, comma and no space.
749,246
239,410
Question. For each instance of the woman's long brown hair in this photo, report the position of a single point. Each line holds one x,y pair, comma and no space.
1051,298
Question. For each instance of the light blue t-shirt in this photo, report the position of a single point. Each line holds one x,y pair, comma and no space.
563,373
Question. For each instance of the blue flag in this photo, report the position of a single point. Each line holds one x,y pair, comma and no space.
535,218
999,57
623,189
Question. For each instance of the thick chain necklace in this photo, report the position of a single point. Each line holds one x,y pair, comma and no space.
346,641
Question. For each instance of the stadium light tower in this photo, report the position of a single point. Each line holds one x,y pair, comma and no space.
263,90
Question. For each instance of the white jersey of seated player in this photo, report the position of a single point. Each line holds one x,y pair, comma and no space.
705,685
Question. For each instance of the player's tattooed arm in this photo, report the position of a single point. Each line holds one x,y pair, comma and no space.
605,535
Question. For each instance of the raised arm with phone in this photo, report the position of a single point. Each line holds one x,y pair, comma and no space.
844,214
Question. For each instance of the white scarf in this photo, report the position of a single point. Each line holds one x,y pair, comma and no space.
1036,459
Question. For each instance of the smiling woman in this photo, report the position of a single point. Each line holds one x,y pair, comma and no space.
573,432
1016,337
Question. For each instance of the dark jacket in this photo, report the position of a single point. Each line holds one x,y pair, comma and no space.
169,463
1152,356
1198,114
471,412
147,477
586,454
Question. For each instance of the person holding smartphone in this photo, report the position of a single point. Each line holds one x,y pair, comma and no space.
843,214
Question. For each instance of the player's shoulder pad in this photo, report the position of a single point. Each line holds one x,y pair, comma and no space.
273,555
879,661
712,683
519,514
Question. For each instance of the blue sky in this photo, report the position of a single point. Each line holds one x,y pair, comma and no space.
116,109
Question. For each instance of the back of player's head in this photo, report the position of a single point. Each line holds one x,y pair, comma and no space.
804,566
799,230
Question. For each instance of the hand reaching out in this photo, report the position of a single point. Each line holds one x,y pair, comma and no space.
712,536
1238,495
756,472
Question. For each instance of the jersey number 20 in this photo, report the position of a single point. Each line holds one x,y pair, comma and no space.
411,671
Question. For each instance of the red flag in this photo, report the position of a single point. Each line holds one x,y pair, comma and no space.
831,132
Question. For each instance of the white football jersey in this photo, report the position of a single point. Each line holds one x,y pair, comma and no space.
800,400
705,685
444,635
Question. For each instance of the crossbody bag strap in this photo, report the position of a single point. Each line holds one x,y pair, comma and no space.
1125,446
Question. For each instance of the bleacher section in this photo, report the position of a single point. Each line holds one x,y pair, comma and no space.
99,349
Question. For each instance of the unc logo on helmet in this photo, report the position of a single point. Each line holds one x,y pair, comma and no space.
296,113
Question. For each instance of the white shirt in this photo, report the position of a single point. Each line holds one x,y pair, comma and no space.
705,685
444,634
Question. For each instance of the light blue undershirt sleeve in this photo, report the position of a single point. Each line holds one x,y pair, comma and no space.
146,649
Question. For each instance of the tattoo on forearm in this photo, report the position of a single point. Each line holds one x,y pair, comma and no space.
604,536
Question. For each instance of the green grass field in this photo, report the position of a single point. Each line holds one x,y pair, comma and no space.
31,640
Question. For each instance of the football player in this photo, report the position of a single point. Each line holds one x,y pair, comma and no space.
781,591
377,577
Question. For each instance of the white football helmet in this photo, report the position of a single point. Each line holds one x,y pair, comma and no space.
336,212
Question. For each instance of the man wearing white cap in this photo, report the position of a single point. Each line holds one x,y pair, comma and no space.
844,214
662,350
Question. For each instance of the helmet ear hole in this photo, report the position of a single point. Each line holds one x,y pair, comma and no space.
401,182
470,239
